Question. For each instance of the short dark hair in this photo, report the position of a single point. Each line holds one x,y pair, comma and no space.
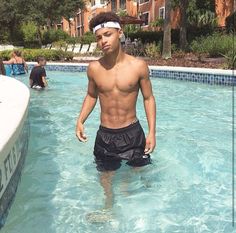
18,53
103,17
40,58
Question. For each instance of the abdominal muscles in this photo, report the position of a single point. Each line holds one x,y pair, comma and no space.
118,109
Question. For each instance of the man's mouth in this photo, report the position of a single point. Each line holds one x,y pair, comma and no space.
105,47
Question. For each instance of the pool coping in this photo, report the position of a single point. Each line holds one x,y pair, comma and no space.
14,136
192,74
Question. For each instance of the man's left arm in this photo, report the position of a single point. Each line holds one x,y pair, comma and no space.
149,105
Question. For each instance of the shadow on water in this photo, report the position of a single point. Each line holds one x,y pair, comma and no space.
33,209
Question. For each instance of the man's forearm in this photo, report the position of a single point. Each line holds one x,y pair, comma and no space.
88,105
150,109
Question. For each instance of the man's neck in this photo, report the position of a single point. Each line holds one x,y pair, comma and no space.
114,58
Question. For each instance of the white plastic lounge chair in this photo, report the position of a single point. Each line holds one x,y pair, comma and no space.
84,48
92,47
70,48
48,46
1,47
63,48
77,48
8,47
54,48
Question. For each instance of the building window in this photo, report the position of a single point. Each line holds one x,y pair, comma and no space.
93,2
162,13
143,1
123,4
145,18
102,1
113,6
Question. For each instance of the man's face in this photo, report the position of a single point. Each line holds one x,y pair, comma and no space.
108,39
43,63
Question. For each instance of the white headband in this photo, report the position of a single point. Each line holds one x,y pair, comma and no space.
109,24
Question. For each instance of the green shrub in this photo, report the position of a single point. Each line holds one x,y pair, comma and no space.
202,17
73,40
29,31
5,55
131,28
153,36
158,22
30,35
4,36
230,22
231,59
88,38
59,44
152,50
33,54
53,35
214,45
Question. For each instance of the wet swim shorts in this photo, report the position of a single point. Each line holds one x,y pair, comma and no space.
114,145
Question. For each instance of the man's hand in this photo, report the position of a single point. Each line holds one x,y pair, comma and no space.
80,132
150,143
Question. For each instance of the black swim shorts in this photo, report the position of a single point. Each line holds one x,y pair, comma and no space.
114,145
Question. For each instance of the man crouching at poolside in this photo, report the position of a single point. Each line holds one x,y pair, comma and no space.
116,79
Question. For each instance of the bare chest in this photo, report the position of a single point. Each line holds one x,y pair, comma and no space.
117,80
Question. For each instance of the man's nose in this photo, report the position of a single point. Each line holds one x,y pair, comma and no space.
104,40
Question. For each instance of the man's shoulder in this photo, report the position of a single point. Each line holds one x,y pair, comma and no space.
94,65
36,67
137,61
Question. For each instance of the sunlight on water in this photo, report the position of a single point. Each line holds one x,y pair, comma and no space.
187,188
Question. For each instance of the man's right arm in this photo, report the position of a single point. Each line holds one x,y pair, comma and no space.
87,107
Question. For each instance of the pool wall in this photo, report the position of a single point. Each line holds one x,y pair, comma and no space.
200,75
14,136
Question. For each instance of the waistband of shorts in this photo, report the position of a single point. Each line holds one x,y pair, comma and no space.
120,130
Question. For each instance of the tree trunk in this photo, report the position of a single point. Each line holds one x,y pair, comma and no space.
183,25
69,27
166,52
49,23
39,35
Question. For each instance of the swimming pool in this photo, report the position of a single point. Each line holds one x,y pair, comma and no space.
186,189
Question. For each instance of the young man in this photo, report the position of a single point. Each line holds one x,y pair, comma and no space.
116,79
37,78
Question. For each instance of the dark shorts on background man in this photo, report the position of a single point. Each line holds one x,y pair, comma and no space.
114,145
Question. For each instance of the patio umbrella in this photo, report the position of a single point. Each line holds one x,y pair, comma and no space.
131,20
127,19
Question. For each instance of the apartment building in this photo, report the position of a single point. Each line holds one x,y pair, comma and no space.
147,10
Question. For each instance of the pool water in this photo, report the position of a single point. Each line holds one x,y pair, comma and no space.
187,188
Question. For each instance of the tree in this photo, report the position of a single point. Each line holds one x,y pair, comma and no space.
166,52
194,12
69,9
41,12
183,24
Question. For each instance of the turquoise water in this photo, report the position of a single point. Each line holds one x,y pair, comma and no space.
186,189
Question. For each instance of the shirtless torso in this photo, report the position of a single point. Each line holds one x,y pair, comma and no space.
117,88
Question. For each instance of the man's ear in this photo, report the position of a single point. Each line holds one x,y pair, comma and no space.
120,33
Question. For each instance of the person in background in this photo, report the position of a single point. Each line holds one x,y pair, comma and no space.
37,79
17,63
122,40
2,68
